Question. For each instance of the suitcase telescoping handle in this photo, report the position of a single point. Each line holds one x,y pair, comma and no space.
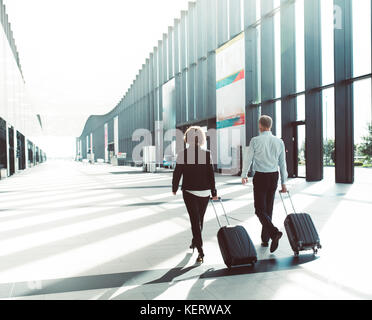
285,208
215,211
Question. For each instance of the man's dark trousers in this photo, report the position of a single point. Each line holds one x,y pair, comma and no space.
264,188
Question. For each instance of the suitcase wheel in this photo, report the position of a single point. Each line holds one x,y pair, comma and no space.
315,251
296,254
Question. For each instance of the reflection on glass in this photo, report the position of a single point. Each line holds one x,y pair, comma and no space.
278,118
328,127
301,108
300,45
362,124
327,41
277,39
258,9
361,37
15,107
301,134
259,62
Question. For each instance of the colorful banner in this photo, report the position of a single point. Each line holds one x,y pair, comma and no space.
230,84
230,101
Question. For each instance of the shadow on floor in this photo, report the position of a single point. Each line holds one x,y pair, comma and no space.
129,172
140,204
164,282
137,187
269,265
163,277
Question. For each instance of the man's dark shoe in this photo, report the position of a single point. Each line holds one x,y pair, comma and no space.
264,244
275,242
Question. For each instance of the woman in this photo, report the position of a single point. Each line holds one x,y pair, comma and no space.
198,184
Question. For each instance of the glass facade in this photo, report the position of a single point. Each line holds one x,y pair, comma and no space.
362,124
328,102
327,27
20,127
308,65
361,37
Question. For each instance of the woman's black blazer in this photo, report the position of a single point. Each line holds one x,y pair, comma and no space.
196,167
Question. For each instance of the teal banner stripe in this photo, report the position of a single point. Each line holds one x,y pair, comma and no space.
225,82
227,123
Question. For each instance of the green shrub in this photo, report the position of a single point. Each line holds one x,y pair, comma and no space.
365,148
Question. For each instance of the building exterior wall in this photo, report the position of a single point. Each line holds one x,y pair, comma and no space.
19,123
284,52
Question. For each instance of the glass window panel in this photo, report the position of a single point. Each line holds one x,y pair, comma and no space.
165,59
300,45
186,37
277,39
327,41
361,37
362,112
301,147
187,95
259,63
258,9
278,118
301,108
242,14
328,127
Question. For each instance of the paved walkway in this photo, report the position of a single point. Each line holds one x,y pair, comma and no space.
70,230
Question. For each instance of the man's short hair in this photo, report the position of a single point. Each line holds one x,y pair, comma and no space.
266,122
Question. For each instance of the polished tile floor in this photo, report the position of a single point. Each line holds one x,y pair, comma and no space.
71,230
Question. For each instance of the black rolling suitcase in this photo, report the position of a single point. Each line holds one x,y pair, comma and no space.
235,244
301,231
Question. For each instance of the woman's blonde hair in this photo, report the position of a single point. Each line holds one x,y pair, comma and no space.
195,136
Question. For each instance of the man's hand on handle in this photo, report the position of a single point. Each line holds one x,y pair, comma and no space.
284,189
244,181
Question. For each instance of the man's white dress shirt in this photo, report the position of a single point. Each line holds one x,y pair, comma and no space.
267,153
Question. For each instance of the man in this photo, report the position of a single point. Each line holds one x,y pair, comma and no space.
266,152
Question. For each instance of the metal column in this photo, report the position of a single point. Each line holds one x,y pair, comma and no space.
313,79
177,70
201,54
211,58
288,82
251,75
191,53
234,18
268,61
222,25
170,53
344,104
